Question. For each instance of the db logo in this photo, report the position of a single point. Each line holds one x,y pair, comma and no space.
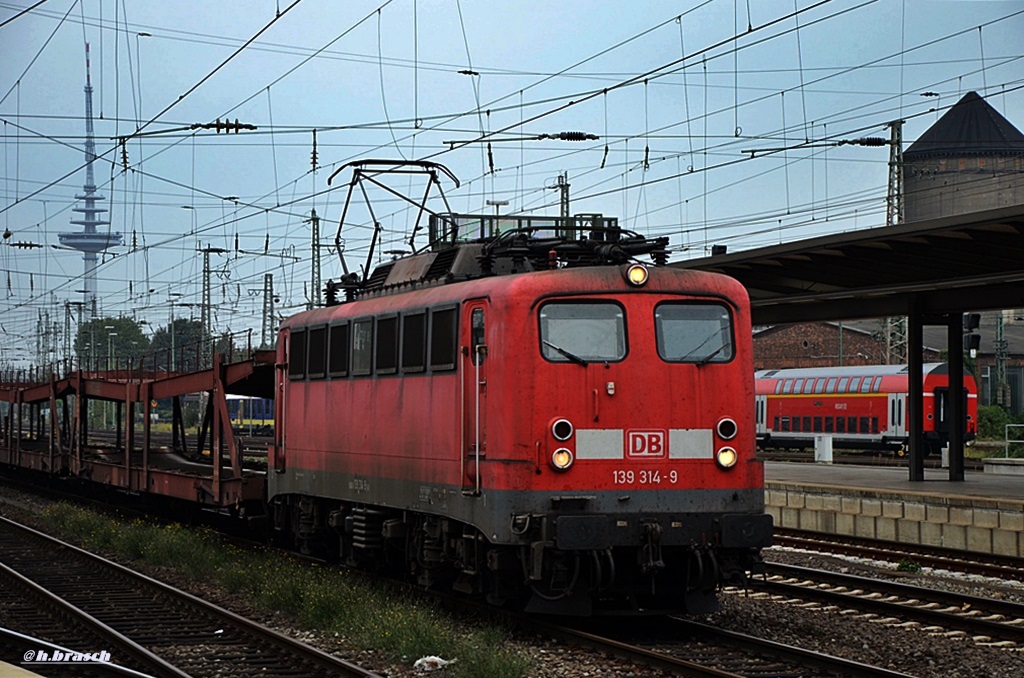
646,444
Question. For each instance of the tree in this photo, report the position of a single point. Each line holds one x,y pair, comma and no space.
187,339
110,343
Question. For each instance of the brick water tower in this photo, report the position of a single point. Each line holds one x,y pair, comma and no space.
970,160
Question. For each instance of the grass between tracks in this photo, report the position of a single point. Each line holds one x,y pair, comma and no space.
326,599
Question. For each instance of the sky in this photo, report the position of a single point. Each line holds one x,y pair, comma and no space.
718,122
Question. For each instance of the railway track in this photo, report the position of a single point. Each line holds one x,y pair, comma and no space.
967,562
143,622
684,647
991,621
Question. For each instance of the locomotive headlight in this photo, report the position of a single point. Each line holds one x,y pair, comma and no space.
726,457
562,429
561,459
727,429
637,274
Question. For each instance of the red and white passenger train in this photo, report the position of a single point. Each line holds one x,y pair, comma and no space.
533,418
862,407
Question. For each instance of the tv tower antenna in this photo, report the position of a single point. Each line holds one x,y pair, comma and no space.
90,241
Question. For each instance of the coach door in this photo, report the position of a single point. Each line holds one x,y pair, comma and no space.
898,414
473,350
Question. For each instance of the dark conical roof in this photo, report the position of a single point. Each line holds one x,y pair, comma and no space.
971,127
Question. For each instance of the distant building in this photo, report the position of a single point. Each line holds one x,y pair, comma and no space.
825,344
971,159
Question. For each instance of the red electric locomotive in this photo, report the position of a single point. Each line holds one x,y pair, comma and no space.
862,407
530,417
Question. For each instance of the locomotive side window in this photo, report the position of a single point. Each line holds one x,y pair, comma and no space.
414,342
297,355
317,360
698,333
386,355
362,346
578,332
338,352
477,343
443,334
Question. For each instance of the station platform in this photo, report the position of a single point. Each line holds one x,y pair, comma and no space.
984,513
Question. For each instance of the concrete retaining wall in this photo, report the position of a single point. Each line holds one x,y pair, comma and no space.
968,523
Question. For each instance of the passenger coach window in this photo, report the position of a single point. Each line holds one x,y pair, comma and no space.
317,362
582,331
362,346
338,353
297,355
443,326
697,333
414,342
842,385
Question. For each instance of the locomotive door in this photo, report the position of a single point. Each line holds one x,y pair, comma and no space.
473,350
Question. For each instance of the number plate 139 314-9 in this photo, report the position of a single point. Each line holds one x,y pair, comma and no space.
644,477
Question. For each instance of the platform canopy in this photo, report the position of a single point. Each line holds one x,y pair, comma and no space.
966,262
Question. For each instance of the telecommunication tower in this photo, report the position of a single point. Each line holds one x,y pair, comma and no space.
90,241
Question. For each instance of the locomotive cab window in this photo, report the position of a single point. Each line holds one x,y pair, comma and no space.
581,332
693,333
297,354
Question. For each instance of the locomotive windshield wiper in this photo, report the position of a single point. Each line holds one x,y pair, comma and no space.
571,356
704,361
